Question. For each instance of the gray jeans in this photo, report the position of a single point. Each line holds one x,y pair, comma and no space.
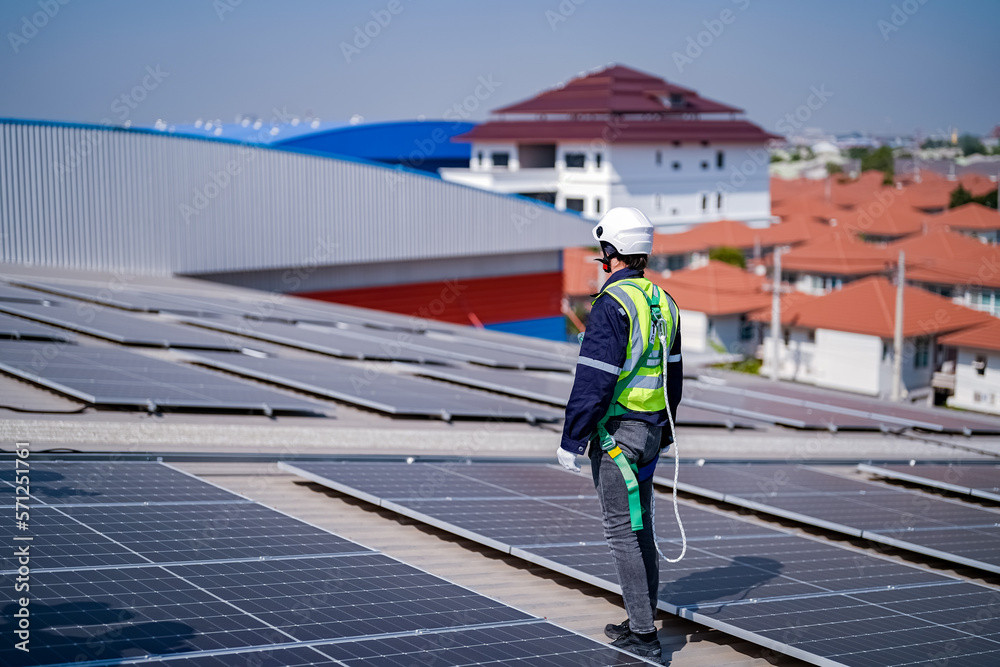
634,552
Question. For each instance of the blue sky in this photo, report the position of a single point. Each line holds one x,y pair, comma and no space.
886,66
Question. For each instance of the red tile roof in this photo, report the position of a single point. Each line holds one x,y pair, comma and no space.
939,243
714,289
885,214
619,131
984,336
582,276
705,236
944,257
618,89
971,216
812,207
791,304
868,307
792,231
838,253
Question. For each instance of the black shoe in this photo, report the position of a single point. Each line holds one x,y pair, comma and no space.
636,646
616,631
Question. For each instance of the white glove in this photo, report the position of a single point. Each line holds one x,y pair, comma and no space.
567,460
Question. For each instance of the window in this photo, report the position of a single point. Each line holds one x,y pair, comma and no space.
500,159
597,160
677,166
575,160
659,157
704,143
746,328
704,202
597,204
921,352
718,201
574,205
720,159
480,156
704,164
812,336
980,364
786,334
885,351
677,144
659,202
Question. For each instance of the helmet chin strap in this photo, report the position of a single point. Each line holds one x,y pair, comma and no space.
605,259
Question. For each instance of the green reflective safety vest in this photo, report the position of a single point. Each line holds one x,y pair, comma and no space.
640,380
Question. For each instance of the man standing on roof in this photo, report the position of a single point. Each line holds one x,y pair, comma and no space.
618,407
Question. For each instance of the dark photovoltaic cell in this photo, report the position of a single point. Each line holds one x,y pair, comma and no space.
122,328
324,341
379,389
14,294
124,299
232,582
115,377
892,414
555,389
981,481
736,576
939,527
15,327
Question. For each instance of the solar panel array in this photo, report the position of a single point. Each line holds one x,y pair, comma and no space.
888,414
13,294
140,563
810,599
980,481
21,329
378,389
948,529
121,328
117,377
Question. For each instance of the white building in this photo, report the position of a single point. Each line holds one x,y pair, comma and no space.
620,137
844,340
977,367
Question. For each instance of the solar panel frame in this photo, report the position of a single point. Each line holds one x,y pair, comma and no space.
589,561
22,329
984,482
399,395
133,380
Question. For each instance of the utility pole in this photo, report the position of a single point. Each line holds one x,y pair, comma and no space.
776,316
897,339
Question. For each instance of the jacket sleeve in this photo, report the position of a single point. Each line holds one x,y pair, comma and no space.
601,357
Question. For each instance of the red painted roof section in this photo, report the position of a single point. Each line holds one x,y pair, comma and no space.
971,216
948,258
895,219
868,306
940,243
582,276
808,206
791,304
792,231
705,236
714,289
985,336
838,253
619,131
617,89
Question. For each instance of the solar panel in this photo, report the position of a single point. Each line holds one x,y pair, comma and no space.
720,399
17,295
379,389
124,299
122,328
901,414
791,593
981,481
115,377
929,525
202,577
324,341
555,389
20,329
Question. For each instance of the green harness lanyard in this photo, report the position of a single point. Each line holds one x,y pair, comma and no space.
629,470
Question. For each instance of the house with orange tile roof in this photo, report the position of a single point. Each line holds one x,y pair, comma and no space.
844,340
829,262
714,301
977,367
972,219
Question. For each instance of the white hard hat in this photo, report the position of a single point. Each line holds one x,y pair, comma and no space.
627,230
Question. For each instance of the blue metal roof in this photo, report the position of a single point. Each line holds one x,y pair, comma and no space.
407,142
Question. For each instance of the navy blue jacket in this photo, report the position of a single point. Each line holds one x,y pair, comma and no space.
603,352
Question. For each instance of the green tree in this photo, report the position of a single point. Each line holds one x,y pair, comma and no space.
880,159
834,168
729,255
959,196
970,143
858,152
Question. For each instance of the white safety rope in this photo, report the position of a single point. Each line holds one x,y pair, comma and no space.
677,457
